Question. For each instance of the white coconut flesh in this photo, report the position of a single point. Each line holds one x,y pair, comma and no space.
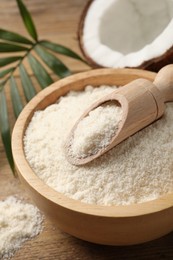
126,33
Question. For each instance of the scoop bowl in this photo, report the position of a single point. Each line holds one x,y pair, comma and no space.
142,103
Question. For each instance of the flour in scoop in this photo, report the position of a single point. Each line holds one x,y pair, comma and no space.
96,130
137,170
19,222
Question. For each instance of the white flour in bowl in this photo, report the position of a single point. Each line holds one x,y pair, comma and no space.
137,170
19,222
96,130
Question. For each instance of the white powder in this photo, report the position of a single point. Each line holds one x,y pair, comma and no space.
137,170
18,222
96,130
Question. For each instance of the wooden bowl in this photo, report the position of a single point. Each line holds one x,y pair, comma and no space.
109,225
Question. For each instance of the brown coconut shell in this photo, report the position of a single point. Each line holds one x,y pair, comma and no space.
154,64
91,62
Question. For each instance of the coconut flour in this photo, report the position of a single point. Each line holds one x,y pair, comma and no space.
96,130
137,170
18,222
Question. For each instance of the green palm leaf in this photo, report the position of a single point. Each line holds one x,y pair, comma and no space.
27,84
5,129
8,60
53,62
15,96
61,50
40,72
13,42
27,19
14,37
5,72
7,47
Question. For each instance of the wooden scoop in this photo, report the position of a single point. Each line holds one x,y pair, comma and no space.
142,102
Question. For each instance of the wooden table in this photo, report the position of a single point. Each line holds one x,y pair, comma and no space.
57,21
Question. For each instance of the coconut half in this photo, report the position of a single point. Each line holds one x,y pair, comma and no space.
127,33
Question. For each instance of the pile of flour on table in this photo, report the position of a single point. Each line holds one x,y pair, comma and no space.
19,222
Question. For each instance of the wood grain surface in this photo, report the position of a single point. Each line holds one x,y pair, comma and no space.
57,20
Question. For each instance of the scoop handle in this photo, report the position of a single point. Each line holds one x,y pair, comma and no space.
164,82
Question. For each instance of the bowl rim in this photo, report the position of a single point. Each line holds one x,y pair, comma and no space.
24,170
